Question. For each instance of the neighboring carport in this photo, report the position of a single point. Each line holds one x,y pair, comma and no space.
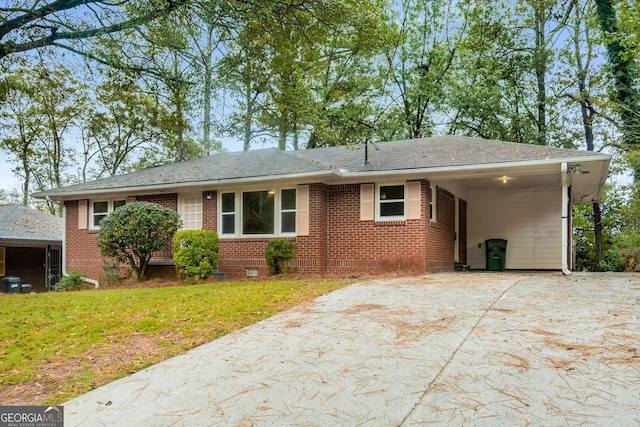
30,246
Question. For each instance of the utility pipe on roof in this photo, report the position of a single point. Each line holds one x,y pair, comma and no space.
63,260
565,220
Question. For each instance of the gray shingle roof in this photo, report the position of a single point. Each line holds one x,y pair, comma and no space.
22,224
271,163
437,152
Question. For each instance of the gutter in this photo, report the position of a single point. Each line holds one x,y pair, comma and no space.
63,261
565,220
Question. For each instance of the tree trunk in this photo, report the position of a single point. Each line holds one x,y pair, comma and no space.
282,135
208,77
597,228
540,65
248,119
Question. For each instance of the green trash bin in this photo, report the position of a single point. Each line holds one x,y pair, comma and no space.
496,254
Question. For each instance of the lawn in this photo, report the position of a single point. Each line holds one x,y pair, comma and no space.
55,346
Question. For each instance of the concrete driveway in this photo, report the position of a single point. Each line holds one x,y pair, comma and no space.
481,349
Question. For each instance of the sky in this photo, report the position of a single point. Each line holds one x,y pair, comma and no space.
8,181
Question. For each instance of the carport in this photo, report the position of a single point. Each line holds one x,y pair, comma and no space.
30,246
527,203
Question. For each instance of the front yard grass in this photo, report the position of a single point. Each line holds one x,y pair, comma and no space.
56,346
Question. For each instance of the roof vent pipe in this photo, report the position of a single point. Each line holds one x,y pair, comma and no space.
366,151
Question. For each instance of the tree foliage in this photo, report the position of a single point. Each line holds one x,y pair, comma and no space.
28,25
44,105
132,233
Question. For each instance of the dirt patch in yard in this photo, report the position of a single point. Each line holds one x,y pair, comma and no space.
134,353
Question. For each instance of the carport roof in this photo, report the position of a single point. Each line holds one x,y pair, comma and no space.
333,165
23,226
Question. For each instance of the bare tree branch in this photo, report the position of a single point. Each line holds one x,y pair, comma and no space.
28,20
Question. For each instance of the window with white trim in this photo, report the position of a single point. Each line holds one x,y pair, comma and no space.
288,211
391,202
258,216
228,213
100,209
257,213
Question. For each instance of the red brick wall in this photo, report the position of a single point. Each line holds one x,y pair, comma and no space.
312,249
339,243
82,253
441,234
209,211
356,246
238,254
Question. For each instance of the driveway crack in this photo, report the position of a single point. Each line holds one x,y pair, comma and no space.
455,352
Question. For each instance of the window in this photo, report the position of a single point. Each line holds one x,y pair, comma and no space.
100,210
256,213
288,211
228,213
391,202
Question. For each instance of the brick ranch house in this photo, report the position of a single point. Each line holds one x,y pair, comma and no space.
420,205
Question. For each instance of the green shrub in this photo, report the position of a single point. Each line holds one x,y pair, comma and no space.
133,232
280,254
195,253
72,281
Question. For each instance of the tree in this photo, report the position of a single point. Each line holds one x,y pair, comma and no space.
304,71
487,94
624,69
31,24
132,233
420,63
19,123
123,126
583,56
44,105
247,74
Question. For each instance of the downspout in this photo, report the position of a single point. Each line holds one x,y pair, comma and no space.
63,261
565,220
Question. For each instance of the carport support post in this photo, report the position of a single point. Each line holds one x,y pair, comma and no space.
565,220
